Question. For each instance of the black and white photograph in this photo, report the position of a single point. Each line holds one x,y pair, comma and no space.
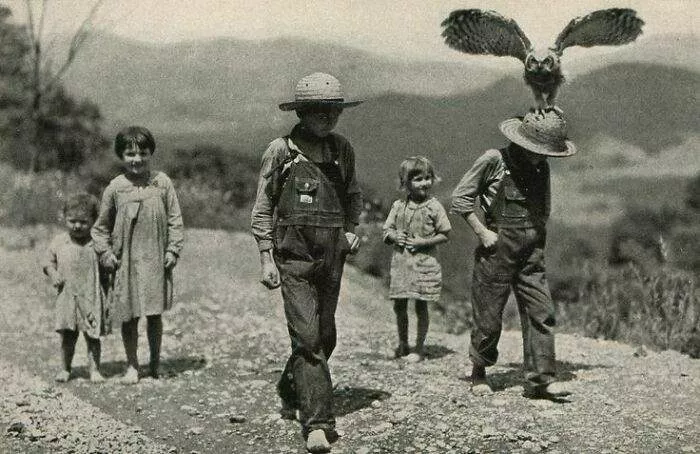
352,226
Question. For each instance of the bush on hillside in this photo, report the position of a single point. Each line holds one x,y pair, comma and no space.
567,261
28,198
232,174
640,236
693,194
685,247
659,308
54,131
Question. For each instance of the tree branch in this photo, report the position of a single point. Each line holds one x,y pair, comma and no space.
76,43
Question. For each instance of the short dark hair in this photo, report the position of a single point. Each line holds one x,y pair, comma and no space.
82,202
138,135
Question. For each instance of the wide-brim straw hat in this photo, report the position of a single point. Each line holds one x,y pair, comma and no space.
541,133
318,89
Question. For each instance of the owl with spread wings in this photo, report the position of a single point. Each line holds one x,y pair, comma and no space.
476,31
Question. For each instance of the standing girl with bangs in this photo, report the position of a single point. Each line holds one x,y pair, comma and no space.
139,236
415,226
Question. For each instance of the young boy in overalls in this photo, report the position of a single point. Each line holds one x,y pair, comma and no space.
512,187
307,206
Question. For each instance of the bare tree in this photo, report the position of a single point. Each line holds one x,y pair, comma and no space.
43,78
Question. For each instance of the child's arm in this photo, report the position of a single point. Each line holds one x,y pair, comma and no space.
473,184
487,237
270,273
262,215
415,243
51,269
175,227
101,231
391,234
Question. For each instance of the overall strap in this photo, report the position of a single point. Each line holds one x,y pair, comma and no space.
291,155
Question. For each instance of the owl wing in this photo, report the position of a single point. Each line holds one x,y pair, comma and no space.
476,31
605,27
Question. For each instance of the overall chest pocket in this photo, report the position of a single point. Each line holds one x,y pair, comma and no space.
306,192
515,203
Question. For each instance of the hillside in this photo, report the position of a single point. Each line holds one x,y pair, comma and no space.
650,107
225,344
225,91
225,87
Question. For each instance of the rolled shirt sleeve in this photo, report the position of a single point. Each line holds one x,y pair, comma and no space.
480,182
262,216
353,205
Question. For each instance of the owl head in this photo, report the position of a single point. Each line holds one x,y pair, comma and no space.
542,62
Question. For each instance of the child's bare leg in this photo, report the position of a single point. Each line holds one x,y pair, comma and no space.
68,341
94,349
130,336
422,325
400,309
155,337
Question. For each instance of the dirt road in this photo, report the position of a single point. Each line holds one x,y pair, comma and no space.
225,344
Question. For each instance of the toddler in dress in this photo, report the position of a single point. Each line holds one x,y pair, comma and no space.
72,265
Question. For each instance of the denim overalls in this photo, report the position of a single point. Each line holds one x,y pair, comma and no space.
310,250
518,214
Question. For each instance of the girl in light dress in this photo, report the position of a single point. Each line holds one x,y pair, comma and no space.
415,226
139,236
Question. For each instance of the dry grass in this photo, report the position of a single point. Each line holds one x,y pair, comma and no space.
658,308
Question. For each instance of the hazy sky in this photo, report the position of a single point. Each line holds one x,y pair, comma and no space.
405,29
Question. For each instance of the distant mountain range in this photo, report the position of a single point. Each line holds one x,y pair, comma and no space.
226,85
226,92
647,106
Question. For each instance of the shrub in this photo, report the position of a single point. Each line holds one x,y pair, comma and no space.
206,207
693,193
28,198
231,173
638,236
659,309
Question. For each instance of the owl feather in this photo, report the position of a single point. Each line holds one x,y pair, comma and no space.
476,31
607,27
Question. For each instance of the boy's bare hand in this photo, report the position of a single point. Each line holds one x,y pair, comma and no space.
488,238
109,261
57,281
353,241
270,275
170,260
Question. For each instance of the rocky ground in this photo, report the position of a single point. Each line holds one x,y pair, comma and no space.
225,344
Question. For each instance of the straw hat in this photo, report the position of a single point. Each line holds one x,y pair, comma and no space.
315,89
541,133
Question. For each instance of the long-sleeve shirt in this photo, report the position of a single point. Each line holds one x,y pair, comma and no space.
139,224
482,182
262,217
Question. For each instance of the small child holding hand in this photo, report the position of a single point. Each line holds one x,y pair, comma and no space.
72,265
415,225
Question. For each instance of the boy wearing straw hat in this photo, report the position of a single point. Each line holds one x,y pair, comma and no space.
512,188
307,206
